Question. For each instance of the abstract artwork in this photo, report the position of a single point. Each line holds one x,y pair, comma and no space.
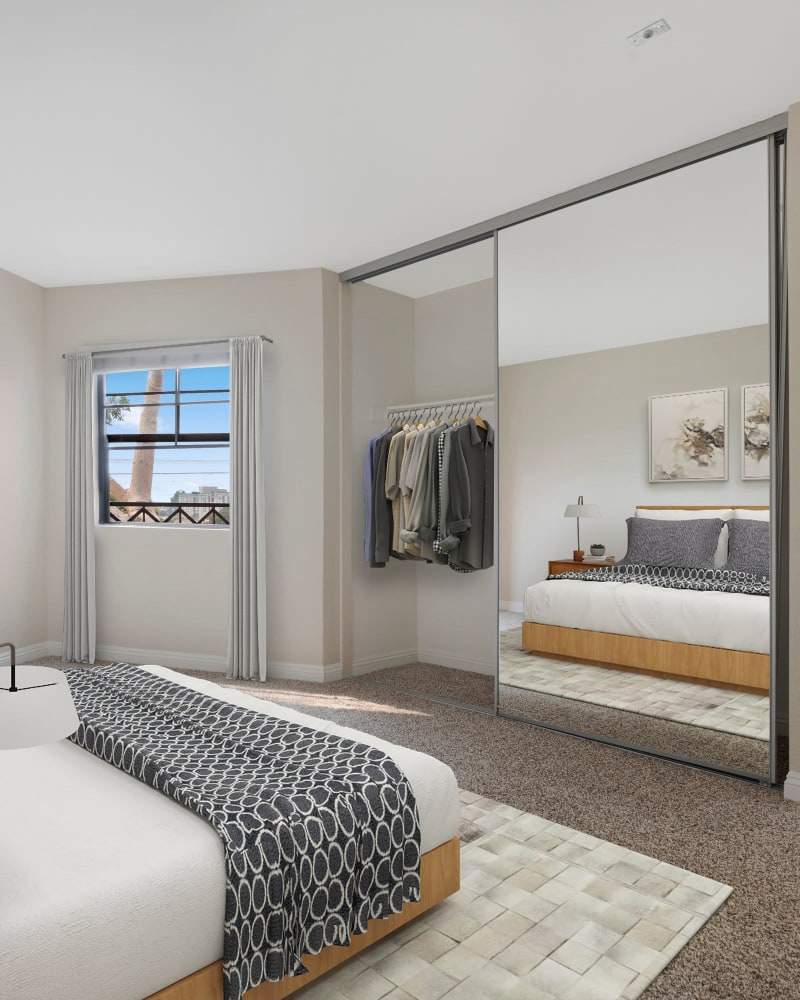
755,431
688,436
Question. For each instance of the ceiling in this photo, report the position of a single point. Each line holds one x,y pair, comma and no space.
154,140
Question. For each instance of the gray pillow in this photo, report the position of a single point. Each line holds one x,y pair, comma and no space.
748,546
673,543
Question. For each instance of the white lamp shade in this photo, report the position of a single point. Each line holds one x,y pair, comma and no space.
41,711
582,510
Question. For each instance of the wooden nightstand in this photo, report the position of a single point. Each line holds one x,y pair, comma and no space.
570,566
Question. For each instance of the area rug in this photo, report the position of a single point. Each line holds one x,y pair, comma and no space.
544,913
726,711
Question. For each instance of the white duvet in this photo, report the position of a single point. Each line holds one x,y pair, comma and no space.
109,890
700,618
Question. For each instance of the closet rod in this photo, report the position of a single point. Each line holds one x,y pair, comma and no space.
441,402
158,347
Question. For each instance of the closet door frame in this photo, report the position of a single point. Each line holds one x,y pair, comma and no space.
774,131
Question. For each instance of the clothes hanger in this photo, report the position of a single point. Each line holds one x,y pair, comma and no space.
479,420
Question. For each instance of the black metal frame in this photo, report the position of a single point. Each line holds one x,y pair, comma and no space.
177,439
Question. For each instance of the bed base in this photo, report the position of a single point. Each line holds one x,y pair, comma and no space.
439,877
730,668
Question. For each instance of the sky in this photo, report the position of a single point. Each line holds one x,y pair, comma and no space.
176,468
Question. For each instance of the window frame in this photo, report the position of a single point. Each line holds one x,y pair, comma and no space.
174,439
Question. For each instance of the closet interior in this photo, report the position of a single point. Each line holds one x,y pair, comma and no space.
424,577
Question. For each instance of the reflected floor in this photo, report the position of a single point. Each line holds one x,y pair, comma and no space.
700,705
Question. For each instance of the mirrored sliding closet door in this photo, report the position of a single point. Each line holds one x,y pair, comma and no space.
634,465
424,575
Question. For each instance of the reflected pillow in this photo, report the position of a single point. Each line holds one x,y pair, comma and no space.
691,544
679,514
749,546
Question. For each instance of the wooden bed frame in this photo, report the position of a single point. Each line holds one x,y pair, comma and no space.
729,668
439,876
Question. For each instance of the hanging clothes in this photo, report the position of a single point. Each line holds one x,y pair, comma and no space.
429,495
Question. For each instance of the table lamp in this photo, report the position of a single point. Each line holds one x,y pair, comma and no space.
579,510
38,710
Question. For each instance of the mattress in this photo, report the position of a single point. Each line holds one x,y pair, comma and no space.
109,889
700,618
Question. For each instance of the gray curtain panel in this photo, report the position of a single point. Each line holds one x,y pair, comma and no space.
78,642
247,645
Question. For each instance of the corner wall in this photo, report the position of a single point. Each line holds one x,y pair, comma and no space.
27,503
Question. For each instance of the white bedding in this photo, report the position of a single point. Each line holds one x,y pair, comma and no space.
109,890
700,618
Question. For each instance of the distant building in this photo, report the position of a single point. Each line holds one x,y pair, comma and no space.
205,495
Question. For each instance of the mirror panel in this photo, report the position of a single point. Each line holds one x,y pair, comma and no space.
634,370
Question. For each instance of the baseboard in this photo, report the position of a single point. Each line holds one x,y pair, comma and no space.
367,664
214,664
791,786
28,654
512,606
318,673
163,657
443,659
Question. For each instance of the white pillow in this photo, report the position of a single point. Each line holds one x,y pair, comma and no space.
751,515
724,513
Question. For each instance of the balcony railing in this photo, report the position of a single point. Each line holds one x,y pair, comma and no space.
198,513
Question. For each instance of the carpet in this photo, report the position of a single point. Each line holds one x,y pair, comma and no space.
738,834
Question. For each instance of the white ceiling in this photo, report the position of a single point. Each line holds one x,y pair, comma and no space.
153,139
678,255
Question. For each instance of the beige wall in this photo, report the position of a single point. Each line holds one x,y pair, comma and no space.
579,425
454,348
383,607
165,590
26,502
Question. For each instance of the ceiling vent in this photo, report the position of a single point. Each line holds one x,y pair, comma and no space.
645,34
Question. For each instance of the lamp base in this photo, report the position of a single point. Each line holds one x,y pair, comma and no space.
577,555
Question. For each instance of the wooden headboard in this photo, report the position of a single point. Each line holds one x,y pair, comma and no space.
717,506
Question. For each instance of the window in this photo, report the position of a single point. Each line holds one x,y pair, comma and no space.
165,446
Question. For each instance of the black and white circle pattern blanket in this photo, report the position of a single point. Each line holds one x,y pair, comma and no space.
727,581
320,833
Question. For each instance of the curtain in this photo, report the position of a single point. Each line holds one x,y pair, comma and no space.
247,649
78,641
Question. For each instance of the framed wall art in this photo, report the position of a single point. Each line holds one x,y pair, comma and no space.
755,431
689,436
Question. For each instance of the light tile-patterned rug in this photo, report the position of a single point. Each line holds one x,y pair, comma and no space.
543,912
679,701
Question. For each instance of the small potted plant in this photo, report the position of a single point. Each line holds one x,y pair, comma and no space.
597,549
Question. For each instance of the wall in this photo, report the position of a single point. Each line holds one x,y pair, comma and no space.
383,606
162,592
578,425
455,356
26,501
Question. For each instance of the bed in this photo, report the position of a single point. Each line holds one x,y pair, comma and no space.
722,639
111,889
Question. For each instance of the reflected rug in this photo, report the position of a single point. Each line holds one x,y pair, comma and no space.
678,701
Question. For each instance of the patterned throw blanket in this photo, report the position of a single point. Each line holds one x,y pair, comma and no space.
727,581
320,833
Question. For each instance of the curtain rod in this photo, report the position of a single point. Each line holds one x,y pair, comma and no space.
158,347
441,402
